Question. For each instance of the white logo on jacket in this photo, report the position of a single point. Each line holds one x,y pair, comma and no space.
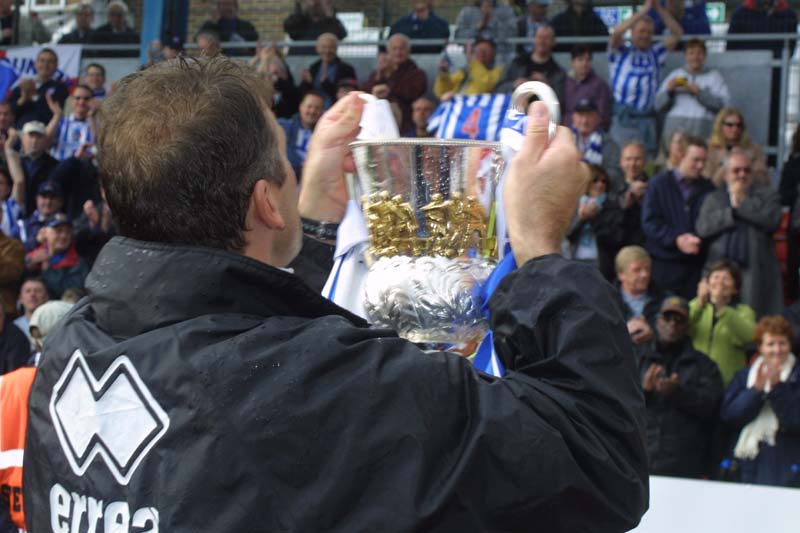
115,417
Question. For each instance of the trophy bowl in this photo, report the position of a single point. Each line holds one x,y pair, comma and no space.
429,208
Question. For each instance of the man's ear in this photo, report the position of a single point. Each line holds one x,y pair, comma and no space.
265,201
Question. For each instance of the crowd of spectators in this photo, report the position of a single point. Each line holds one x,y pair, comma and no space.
681,218
54,219
680,213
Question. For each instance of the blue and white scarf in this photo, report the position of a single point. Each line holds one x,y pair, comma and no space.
593,149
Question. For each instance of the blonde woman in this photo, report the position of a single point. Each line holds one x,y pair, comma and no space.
730,133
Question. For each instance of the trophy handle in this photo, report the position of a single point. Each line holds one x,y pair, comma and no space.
520,100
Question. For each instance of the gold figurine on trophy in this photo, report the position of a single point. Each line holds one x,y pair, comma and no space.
452,226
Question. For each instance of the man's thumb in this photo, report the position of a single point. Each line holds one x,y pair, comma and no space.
536,140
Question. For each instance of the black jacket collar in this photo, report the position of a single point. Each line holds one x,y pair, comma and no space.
138,286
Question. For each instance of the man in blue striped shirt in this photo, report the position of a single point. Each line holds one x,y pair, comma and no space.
67,135
634,72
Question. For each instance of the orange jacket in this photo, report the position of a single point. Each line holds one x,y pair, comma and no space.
14,390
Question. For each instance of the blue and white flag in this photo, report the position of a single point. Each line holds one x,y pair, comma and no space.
476,116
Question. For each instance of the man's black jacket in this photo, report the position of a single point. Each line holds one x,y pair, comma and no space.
680,426
206,391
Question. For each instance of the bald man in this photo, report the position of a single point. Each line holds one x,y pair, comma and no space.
399,80
325,74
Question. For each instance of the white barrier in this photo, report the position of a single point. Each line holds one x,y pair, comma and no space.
689,506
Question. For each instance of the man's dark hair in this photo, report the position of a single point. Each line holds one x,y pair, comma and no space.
181,146
488,41
691,140
581,50
47,51
729,266
97,66
313,92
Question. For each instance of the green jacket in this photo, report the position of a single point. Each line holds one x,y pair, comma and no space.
724,339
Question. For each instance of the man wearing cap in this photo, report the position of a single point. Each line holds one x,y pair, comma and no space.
422,23
49,201
596,145
325,73
56,260
28,99
528,23
480,76
683,389
34,165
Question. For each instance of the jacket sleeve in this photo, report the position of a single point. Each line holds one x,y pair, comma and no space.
607,225
295,23
716,96
790,179
664,99
12,261
762,208
564,430
409,87
447,81
701,396
740,404
604,105
741,322
760,171
714,218
784,399
653,223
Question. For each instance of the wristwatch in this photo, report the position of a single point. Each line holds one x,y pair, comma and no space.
322,230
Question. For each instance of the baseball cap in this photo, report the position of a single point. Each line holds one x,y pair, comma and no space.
49,187
59,219
585,105
675,304
48,315
34,126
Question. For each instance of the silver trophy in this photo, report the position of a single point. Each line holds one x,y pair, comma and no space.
430,210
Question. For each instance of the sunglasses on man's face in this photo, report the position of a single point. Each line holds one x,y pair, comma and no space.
675,318
733,124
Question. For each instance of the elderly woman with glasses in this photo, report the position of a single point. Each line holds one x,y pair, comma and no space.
762,403
729,133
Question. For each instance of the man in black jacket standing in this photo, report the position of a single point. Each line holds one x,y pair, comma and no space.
201,387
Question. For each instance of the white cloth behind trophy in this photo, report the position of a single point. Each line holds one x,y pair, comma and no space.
345,285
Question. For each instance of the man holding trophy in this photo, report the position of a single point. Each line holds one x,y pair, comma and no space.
202,387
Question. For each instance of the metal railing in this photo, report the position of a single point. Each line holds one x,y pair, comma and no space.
787,63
